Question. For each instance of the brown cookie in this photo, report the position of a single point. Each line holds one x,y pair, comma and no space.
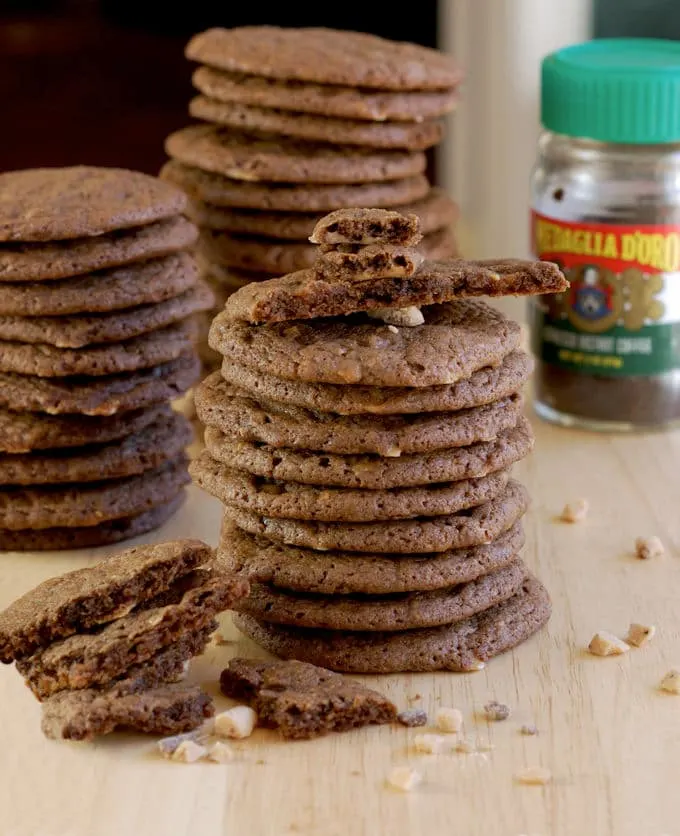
240,416
223,191
146,450
81,330
160,346
103,396
92,504
457,339
481,525
365,227
62,259
145,283
50,204
349,573
325,99
456,647
293,501
324,56
303,295
373,472
375,261
246,157
412,136
303,701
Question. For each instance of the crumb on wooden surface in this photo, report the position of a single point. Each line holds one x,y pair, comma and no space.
647,548
529,729
496,711
236,723
189,751
575,511
604,643
640,634
413,717
671,682
404,778
449,719
534,775
432,744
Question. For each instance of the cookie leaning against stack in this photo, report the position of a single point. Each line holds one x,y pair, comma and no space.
98,298
364,458
299,122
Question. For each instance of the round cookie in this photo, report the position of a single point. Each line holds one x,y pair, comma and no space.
103,396
439,245
80,330
95,503
238,415
326,100
245,157
482,387
405,611
115,531
462,646
136,453
456,340
481,525
324,56
218,190
148,282
293,501
373,472
412,136
51,204
150,349
349,573
62,259
23,432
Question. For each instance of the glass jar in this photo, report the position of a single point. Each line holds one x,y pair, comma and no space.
606,208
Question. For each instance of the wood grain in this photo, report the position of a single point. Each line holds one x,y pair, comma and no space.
609,737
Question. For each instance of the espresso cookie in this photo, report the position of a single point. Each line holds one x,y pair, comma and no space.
456,340
481,525
457,647
160,346
114,531
92,504
411,136
240,416
435,211
483,387
349,573
375,261
293,501
148,282
325,99
146,450
218,190
303,295
324,56
245,157
372,472
365,227
103,396
62,259
81,330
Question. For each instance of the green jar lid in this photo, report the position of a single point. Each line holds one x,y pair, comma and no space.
614,90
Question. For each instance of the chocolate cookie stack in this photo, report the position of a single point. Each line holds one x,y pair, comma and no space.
361,434
97,336
298,122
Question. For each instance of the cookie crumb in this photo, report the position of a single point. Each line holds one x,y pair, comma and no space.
671,682
574,512
640,634
466,746
432,744
607,644
404,779
189,751
449,720
168,745
534,775
219,752
648,547
529,729
496,711
413,717
407,317
236,723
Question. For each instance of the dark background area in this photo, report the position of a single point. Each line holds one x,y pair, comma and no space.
104,81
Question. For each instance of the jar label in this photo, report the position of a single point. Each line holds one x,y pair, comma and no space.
621,314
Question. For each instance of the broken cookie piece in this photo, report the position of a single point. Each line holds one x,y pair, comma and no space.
365,227
378,261
303,700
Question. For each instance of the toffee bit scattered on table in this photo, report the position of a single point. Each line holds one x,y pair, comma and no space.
496,711
219,752
529,729
466,746
432,744
189,751
671,682
640,634
534,775
236,723
607,644
413,717
648,547
403,778
574,512
449,720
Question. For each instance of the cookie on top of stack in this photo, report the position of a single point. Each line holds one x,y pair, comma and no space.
98,298
360,435
298,122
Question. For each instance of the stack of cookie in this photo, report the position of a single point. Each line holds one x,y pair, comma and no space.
97,336
299,122
361,434
98,646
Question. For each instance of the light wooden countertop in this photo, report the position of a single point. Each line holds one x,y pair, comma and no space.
610,738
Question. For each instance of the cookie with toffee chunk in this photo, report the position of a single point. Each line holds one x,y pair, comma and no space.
367,226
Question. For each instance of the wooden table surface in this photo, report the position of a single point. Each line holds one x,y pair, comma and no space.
609,737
